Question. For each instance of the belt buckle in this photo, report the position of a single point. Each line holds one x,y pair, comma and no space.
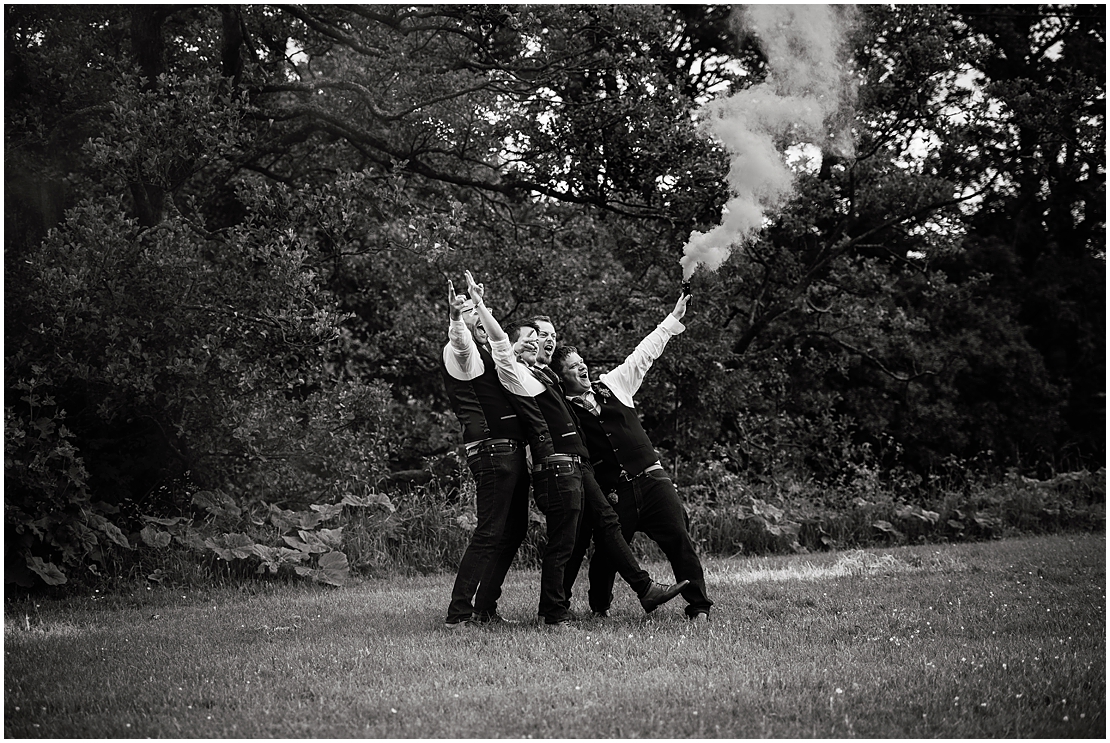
477,446
547,466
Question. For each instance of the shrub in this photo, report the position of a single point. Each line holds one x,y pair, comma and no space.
730,516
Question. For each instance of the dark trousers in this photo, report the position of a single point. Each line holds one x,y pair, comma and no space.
558,493
602,522
561,492
650,504
501,474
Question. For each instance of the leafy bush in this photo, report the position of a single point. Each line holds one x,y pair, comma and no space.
729,516
423,529
51,523
149,360
274,540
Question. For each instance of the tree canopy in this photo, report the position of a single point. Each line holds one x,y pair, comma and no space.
229,231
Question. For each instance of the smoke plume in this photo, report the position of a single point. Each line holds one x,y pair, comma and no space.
806,99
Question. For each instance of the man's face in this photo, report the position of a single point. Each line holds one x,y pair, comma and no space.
526,346
470,317
575,374
546,339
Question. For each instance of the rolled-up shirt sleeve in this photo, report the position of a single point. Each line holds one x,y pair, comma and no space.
514,375
460,355
625,380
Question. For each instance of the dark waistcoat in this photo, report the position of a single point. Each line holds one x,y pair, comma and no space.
551,425
616,439
482,405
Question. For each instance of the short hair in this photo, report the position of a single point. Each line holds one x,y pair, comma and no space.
559,355
542,318
513,331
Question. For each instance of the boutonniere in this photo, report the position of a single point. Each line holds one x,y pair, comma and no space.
602,391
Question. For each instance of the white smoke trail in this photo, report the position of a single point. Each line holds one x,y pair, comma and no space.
806,87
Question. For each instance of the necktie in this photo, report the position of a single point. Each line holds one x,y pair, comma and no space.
549,374
540,375
586,400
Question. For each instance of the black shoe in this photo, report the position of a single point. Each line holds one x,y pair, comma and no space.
491,619
657,594
599,615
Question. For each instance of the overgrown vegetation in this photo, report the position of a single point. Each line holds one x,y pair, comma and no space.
425,528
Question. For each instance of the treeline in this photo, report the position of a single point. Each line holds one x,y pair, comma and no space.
229,231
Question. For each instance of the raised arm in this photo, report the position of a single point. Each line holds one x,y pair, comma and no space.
514,376
460,355
489,322
625,380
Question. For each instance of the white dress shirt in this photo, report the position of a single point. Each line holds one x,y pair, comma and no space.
515,375
625,380
460,355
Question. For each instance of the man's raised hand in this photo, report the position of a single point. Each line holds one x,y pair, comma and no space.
477,291
455,301
679,310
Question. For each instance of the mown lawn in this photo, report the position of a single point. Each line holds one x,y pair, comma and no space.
998,639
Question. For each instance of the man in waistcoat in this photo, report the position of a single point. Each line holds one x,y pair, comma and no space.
627,466
562,480
493,435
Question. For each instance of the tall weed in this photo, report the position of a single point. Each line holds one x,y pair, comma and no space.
425,528
733,515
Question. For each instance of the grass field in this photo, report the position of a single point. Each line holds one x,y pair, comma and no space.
995,639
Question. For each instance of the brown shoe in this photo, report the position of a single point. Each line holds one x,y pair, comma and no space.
566,625
461,625
657,594
491,619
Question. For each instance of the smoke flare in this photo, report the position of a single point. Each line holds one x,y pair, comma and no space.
806,90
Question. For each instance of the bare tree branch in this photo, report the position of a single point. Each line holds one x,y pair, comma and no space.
872,359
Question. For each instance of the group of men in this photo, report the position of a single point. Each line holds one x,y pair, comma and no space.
531,416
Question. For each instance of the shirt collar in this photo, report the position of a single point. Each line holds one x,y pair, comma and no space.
587,396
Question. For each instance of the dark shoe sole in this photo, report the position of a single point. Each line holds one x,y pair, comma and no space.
667,596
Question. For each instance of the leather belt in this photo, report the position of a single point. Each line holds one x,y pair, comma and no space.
650,468
476,446
553,459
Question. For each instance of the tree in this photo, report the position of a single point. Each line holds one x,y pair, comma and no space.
229,230
861,296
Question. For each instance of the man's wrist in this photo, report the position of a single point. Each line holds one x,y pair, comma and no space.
672,324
